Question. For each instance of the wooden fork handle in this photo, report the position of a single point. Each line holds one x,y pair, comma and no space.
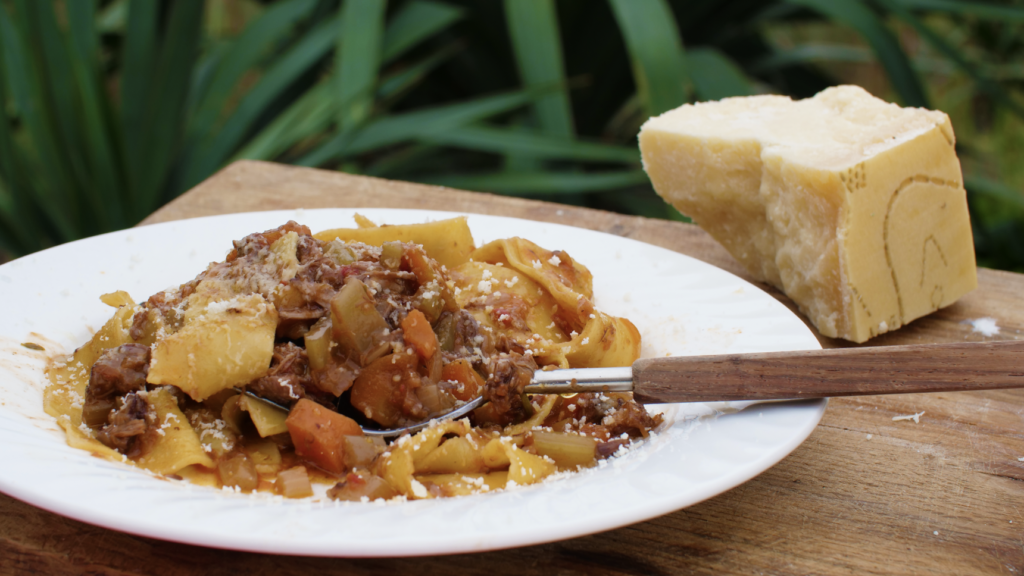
832,372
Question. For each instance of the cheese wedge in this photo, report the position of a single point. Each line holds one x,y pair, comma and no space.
852,206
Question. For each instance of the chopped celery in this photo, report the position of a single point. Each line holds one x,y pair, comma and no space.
445,332
340,252
357,325
238,470
430,303
391,255
265,455
231,412
356,486
294,483
567,450
435,400
318,344
360,451
269,419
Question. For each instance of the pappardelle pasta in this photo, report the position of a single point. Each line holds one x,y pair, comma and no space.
260,373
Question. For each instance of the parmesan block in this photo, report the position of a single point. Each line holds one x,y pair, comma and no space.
852,206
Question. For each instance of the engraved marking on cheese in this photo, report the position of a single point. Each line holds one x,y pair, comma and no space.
885,243
938,291
945,129
855,178
924,255
860,300
885,235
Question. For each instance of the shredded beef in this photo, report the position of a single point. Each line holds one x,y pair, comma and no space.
309,249
468,334
253,243
609,448
334,379
119,371
161,306
293,323
131,429
287,380
510,374
629,418
404,395
316,293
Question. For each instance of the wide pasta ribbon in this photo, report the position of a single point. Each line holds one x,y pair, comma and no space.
553,297
177,446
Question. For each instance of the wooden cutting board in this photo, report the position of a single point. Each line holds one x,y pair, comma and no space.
865,494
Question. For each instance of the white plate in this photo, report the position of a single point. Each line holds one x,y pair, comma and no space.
681,306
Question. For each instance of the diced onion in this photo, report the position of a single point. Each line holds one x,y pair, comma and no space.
238,470
294,483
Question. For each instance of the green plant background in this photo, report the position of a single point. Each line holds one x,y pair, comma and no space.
114,107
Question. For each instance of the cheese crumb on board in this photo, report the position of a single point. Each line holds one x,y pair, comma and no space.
915,417
854,207
984,326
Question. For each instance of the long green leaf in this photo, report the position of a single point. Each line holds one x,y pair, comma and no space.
357,59
9,243
20,228
58,91
715,75
415,22
404,160
140,54
15,237
202,76
285,70
808,53
313,112
537,44
856,15
96,128
245,53
167,98
656,52
522,183
52,190
993,189
983,83
980,9
393,85
113,18
509,141
394,129
830,53
391,130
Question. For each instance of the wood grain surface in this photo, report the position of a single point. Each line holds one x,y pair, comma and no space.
865,494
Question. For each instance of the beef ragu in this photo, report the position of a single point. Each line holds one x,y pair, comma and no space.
262,371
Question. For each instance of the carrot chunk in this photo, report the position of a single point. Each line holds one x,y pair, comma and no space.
419,334
318,434
381,387
461,371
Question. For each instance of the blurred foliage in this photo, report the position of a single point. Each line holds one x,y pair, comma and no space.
114,107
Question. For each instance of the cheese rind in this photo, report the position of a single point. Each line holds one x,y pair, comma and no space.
854,207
